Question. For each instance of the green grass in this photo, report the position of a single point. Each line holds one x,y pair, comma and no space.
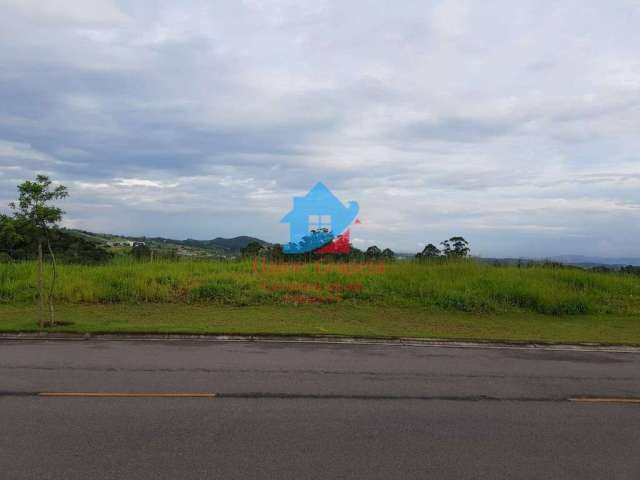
459,299
466,286
330,320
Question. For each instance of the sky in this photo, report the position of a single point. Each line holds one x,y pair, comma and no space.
513,124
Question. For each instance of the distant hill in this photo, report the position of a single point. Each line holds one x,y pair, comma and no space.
584,260
572,260
231,244
217,245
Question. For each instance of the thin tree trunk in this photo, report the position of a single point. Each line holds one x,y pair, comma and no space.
40,284
53,284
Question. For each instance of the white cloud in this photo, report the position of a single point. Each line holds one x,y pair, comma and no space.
451,17
141,182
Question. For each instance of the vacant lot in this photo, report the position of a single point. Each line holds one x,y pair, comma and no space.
457,299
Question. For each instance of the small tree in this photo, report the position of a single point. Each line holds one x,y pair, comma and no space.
354,253
372,252
252,249
456,247
388,254
39,217
141,252
10,236
430,251
273,252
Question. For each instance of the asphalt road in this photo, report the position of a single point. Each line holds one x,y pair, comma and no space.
310,411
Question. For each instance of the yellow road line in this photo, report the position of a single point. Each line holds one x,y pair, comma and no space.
605,400
127,394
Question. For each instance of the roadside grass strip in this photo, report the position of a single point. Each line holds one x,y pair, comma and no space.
339,320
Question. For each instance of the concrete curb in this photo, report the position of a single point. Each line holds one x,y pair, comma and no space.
318,339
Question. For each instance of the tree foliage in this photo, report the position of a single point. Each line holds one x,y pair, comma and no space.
373,253
429,251
10,235
253,249
630,269
141,252
273,252
388,254
33,207
455,247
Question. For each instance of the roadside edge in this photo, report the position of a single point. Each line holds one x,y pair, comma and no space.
319,339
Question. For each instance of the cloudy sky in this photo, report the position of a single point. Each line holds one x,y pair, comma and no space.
513,123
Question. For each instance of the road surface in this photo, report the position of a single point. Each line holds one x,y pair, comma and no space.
311,411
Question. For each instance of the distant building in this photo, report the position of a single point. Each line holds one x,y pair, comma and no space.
123,243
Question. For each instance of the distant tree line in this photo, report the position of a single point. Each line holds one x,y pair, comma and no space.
17,242
455,247
275,252
631,269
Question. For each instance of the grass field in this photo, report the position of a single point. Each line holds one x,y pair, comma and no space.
458,299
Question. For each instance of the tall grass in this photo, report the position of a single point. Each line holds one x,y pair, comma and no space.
468,286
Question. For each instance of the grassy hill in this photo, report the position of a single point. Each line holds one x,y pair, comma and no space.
234,244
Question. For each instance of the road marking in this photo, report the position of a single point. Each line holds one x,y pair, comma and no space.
128,394
605,400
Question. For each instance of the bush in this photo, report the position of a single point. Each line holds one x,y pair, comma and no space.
141,252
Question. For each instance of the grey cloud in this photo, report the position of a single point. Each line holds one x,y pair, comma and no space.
458,130
201,119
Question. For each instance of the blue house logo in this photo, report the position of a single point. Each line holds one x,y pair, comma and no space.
317,220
